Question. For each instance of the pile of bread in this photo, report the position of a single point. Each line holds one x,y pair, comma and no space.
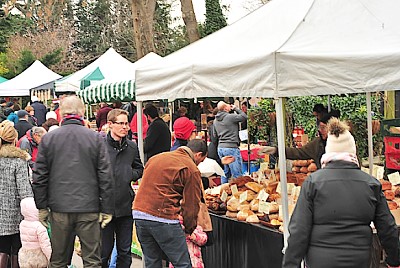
214,203
392,194
301,169
248,209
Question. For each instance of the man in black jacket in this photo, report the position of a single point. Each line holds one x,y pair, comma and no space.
72,178
40,110
127,167
158,137
22,126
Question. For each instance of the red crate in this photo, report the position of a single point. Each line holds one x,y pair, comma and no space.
253,154
392,152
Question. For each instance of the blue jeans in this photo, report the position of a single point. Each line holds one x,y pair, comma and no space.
156,238
122,227
113,259
234,169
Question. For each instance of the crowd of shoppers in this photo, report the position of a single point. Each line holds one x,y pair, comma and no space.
82,186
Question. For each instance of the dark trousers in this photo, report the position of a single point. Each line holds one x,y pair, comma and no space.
156,238
86,227
10,244
122,228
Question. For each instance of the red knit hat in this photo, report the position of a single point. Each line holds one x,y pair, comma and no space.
183,128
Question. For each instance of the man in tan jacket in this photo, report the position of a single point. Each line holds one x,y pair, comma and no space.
171,184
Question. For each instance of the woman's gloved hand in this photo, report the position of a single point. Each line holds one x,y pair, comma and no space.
44,217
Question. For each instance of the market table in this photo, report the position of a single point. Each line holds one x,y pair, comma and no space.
239,244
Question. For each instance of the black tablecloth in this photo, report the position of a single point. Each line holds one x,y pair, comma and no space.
242,245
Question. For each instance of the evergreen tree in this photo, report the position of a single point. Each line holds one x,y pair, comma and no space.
215,20
91,24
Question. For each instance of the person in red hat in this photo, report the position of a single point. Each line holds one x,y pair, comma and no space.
183,131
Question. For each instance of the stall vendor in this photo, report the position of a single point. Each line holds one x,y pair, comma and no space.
312,150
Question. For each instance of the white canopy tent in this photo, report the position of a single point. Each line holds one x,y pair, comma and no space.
108,63
287,48
35,76
120,86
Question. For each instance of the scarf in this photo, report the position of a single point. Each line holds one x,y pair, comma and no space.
330,157
73,116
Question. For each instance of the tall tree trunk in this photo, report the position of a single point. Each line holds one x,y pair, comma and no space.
190,20
143,15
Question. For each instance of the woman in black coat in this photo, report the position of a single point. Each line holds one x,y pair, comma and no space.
330,226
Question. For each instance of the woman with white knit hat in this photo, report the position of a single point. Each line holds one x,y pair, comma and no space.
330,226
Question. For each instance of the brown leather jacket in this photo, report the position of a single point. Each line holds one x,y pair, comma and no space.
167,179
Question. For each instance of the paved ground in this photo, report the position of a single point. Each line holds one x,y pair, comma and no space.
136,261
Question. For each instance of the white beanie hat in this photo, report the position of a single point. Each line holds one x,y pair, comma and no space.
339,139
51,114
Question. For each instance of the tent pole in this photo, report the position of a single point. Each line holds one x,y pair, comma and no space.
282,166
369,126
329,103
248,140
140,129
171,109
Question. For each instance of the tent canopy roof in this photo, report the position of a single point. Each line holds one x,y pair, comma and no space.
286,48
112,89
110,63
2,79
34,76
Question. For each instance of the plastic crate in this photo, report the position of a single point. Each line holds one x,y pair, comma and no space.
392,152
387,124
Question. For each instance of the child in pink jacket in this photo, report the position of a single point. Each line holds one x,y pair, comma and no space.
36,248
194,241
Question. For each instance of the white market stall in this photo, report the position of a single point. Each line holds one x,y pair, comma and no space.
106,63
287,48
36,76
120,86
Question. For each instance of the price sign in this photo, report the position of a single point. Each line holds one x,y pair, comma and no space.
243,197
234,189
224,196
263,207
394,178
262,195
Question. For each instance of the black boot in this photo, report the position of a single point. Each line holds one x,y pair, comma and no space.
3,260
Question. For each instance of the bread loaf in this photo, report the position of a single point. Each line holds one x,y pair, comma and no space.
231,214
273,216
312,167
386,185
243,214
252,219
254,204
254,186
392,205
304,170
244,206
232,204
389,194
273,208
295,169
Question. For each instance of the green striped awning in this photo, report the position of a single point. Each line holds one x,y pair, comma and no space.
109,92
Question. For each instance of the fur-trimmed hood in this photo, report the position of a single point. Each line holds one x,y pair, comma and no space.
10,151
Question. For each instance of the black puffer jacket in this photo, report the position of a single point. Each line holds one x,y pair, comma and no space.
330,226
127,167
73,171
